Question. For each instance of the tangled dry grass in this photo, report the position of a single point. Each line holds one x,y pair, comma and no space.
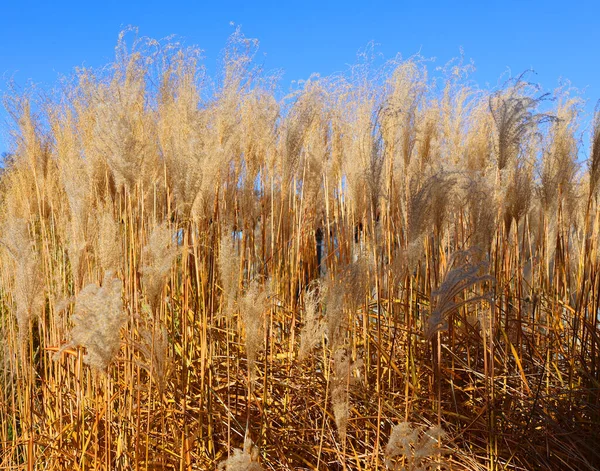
385,269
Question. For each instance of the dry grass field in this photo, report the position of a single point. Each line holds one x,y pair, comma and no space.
392,269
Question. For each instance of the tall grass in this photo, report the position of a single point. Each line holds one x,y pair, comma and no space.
381,269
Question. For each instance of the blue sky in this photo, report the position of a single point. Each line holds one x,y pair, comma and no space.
39,41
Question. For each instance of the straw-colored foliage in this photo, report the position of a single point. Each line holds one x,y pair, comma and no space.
191,264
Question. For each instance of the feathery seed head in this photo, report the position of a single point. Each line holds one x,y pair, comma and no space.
98,317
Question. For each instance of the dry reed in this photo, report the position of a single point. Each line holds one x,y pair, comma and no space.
259,253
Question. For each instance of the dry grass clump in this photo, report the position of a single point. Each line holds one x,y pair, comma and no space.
260,253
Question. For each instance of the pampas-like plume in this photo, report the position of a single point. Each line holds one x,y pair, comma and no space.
314,327
154,347
122,119
517,194
513,110
97,320
252,308
27,276
334,309
478,199
463,273
343,368
417,446
242,460
339,392
229,265
426,209
159,255
346,291
109,248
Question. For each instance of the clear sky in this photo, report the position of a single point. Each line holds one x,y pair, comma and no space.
41,40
